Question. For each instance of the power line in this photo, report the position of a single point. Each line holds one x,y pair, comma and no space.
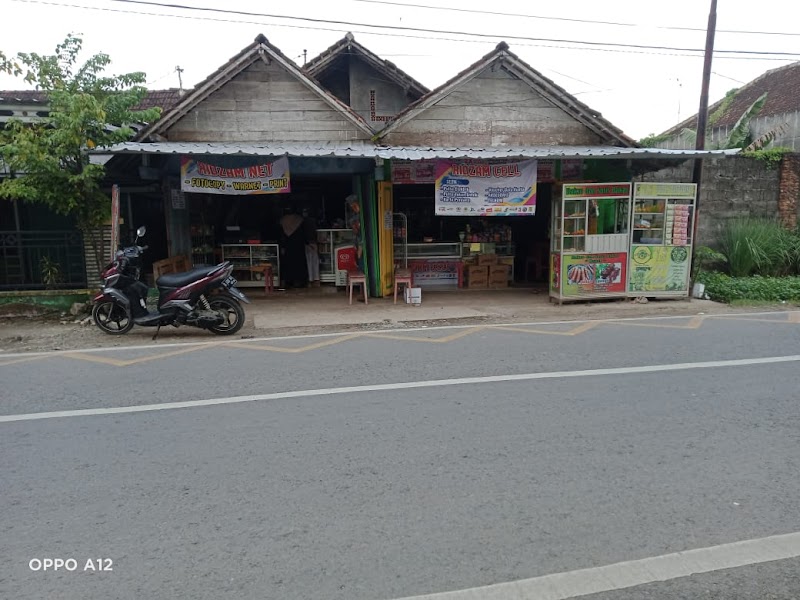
567,19
381,34
442,31
726,77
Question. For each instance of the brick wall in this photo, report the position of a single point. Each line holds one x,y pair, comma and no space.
788,204
733,187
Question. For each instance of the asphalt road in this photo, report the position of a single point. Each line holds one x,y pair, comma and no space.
392,491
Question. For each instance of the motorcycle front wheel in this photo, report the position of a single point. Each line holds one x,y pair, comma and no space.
112,318
231,311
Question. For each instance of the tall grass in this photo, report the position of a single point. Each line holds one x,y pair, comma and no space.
759,247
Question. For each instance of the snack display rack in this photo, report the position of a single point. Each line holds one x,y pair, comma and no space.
590,241
662,225
246,259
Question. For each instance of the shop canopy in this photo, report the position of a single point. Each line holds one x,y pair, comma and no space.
367,150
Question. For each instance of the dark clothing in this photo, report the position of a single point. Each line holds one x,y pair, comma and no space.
310,230
294,270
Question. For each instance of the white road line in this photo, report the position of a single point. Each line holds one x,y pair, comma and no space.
572,584
216,342
386,387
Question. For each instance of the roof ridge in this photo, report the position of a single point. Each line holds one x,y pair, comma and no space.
500,52
746,87
348,41
248,55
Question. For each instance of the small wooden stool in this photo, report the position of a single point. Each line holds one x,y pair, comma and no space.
269,281
357,278
402,276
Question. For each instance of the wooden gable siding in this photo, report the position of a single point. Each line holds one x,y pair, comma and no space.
264,103
390,98
493,109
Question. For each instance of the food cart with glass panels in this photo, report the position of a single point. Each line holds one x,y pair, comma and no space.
590,241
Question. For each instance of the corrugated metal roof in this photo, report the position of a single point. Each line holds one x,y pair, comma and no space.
366,150
164,99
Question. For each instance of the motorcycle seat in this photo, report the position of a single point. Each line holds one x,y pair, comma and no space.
176,280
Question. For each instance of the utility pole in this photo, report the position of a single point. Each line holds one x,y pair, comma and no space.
179,71
702,114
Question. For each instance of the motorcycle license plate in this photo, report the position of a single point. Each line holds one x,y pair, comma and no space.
229,282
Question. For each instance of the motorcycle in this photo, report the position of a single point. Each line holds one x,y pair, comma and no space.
204,297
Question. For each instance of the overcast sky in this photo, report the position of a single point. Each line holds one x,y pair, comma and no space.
641,90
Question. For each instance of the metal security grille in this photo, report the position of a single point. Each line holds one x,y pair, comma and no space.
24,256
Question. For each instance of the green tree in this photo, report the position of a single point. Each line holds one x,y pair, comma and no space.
9,65
50,158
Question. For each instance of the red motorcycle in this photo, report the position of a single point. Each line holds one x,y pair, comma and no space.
205,297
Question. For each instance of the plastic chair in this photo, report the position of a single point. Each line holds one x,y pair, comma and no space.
402,276
357,278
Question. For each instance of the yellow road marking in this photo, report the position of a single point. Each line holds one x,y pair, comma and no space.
574,331
787,317
694,323
329,342
441,340
21,360
107,360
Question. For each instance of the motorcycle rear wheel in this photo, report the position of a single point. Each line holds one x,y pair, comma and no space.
232,312
112,318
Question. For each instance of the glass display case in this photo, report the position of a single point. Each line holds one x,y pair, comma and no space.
662,226
571,228
590,241
663,221
502,249
246,260
400,240
327,242
450,250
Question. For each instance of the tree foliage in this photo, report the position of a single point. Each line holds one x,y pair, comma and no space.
87,109
9,65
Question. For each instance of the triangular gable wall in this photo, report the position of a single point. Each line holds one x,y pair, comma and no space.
260,96
374,88
500,101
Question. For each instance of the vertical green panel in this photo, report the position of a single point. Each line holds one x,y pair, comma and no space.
374,245
360,239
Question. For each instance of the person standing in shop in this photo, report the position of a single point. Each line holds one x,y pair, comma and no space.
312,253
294,270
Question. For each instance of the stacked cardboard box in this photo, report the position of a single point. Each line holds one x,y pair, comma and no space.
498,276
477,276
487,259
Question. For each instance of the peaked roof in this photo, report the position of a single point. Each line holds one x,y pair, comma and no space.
349,46
782,86
165,99
260,49
516,66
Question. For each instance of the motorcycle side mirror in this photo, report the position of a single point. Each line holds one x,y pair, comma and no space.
141,231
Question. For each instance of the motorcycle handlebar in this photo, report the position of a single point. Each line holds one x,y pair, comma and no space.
143,248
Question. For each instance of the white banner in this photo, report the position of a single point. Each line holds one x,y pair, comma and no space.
483,189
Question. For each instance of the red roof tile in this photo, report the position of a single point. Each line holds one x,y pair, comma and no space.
782,86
